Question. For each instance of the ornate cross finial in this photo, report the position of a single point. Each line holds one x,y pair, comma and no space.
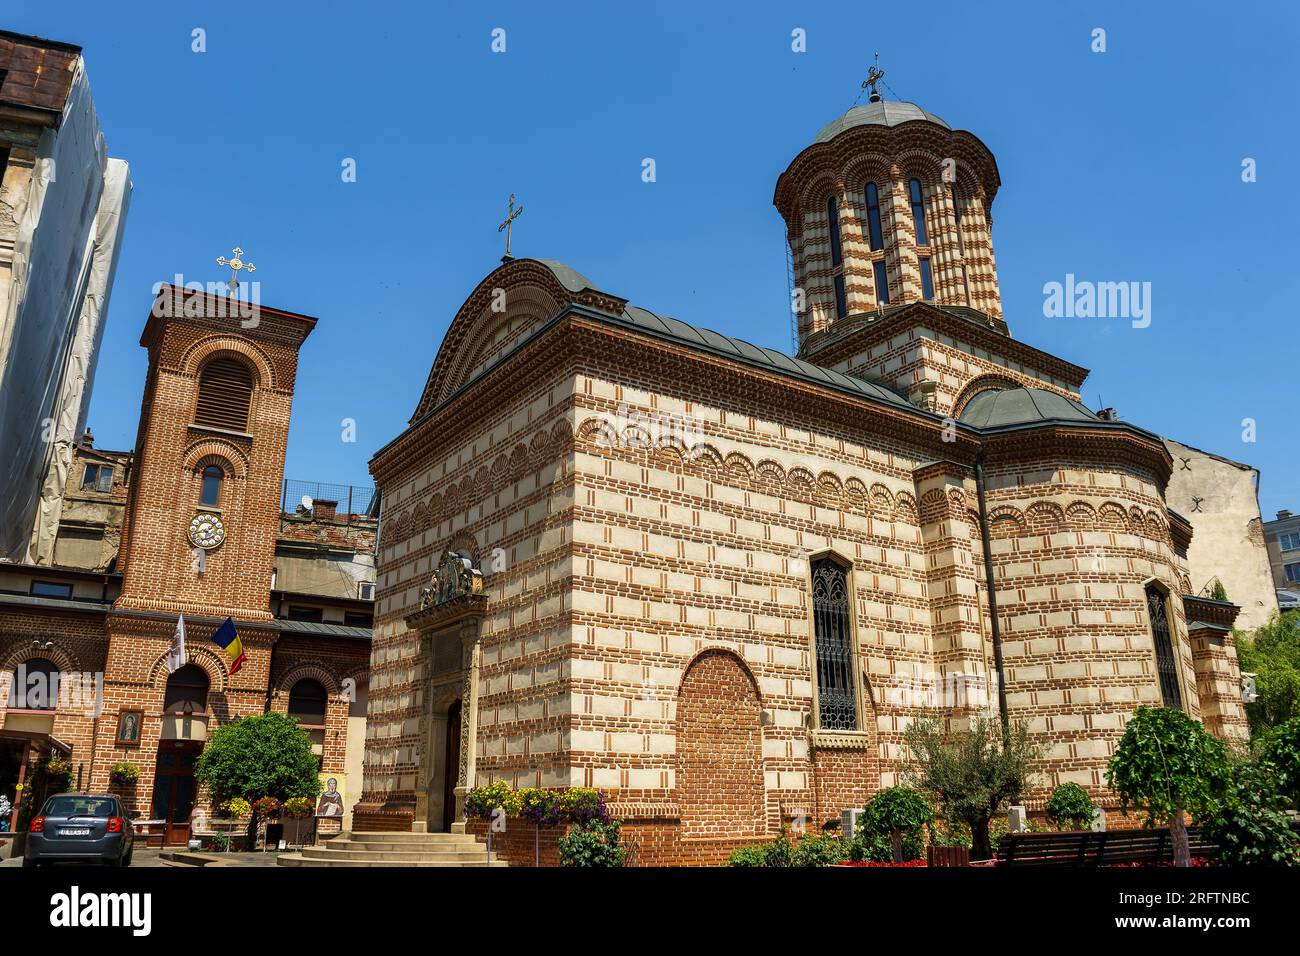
874,76
236,263
514,214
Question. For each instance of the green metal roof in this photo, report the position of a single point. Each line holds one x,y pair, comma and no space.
1020,406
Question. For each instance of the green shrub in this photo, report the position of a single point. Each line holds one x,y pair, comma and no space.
748,856
1250,825
594,844
821,850
1070,807
809,851
1279,758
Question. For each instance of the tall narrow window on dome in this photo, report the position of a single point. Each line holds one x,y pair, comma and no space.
873,218
837,705
225,390
1166,661
882,282
837,256
927,279
918,211
833,224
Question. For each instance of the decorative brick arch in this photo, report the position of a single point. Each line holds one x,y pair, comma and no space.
303,671
720,789
262,367
214,451
863,168
65,661
212,665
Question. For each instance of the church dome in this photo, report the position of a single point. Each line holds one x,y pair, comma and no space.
881,113
998,408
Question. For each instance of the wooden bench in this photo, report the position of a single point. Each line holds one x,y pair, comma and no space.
1093,848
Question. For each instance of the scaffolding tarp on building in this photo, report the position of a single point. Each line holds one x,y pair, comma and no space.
65,253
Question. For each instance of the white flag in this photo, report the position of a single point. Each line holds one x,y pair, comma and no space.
176,652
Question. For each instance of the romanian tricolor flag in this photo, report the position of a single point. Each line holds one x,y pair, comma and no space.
228,638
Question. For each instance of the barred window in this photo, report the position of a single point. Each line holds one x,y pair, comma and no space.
833,643
225,390
1166,662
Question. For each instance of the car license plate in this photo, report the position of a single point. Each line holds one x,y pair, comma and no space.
78,831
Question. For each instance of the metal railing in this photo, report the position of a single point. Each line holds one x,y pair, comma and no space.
354,501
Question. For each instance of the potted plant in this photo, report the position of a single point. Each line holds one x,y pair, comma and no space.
297,814
124,773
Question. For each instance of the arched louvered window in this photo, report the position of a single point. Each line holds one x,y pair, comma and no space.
225,390
837,704
307,700
874,234
1166,659
918,211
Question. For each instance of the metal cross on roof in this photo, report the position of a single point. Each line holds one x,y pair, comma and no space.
874,76
514,214
236,263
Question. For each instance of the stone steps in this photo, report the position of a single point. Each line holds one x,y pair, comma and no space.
394,849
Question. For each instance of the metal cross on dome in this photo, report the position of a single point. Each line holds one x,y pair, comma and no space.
236,263
874,76
514,214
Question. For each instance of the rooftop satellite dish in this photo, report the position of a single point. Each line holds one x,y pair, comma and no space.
307,502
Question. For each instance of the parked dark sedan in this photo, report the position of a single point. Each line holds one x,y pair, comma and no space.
80,826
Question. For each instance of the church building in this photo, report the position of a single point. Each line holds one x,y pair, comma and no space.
195,521
718,582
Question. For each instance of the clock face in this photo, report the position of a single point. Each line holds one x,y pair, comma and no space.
207,531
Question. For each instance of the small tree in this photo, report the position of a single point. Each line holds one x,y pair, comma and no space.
899,812
1166,765
263,756
972,773
1070,806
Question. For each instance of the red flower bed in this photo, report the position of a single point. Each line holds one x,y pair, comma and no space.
871,863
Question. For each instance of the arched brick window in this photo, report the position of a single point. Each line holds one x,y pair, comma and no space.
35,685
307,700
211,493
225,391
187,691
1162,635
837,702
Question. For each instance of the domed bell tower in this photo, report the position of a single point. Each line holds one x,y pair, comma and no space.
888,206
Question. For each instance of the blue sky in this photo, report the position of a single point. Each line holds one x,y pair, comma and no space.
1123,165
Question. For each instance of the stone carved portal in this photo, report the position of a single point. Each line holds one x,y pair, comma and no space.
451,608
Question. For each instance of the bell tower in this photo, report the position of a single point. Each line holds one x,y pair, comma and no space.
889,205
200,529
